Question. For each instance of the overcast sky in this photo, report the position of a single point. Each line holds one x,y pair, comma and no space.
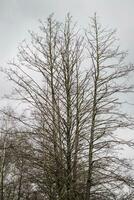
18,16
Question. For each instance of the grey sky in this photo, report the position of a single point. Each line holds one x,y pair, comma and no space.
17,16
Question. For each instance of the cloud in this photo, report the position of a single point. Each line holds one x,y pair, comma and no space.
17,16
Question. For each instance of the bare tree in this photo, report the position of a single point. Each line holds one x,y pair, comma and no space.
66,147
107,77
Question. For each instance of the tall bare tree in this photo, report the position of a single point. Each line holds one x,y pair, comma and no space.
107,77
69,86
